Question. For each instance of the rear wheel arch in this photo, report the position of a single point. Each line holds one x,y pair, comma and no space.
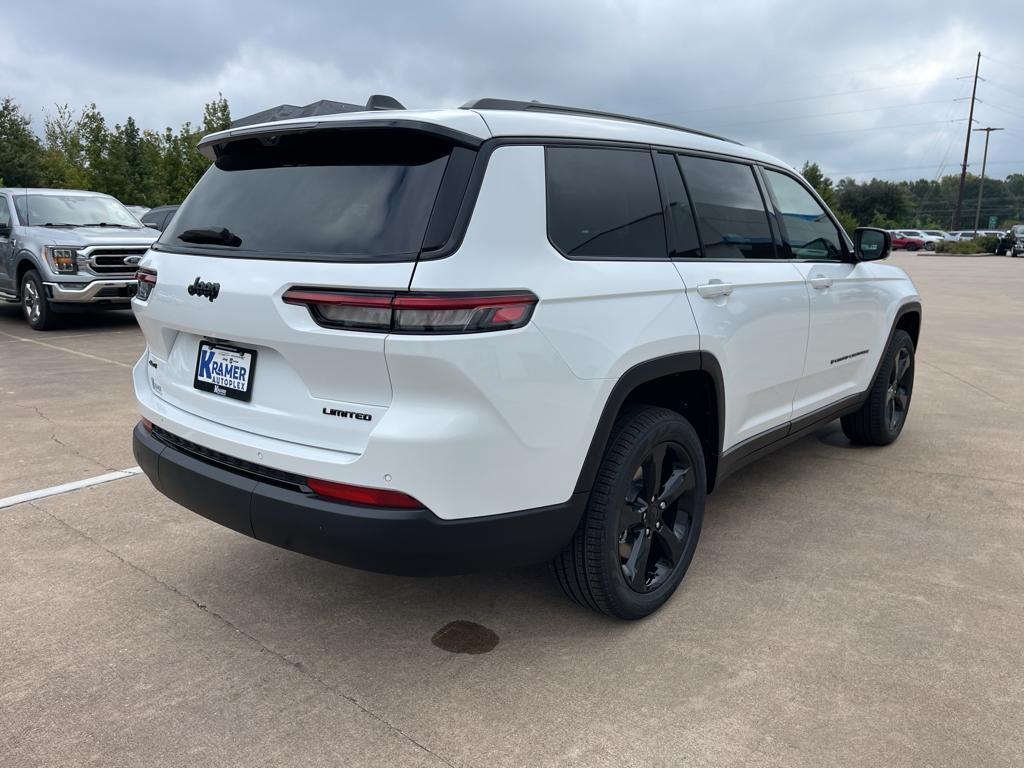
689,383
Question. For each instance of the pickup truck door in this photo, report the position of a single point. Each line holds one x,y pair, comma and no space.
848,303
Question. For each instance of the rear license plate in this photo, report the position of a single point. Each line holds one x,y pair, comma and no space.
225,370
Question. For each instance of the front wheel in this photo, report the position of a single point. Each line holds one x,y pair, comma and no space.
34,304
643,520
882,416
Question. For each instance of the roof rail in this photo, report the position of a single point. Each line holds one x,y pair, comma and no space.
537,106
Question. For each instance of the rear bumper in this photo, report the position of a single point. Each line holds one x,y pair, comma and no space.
399,541
121,290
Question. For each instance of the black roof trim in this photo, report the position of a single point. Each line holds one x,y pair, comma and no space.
212,147
537,106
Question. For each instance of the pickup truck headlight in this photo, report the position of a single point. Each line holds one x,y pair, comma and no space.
63,260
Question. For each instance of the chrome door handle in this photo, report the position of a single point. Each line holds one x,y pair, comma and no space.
820,283
714,288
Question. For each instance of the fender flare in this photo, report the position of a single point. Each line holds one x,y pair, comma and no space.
910,307
22,257
641,373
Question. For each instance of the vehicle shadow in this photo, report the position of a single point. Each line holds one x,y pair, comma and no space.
280,596
12,320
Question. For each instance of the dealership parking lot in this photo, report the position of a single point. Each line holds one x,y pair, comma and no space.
847,606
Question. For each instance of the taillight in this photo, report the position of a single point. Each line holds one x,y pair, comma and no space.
147,282
416,312
357,494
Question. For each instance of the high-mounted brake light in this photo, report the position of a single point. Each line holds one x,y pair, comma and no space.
421,313
357,494
147,282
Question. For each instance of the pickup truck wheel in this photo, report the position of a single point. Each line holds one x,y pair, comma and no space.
34,303
880,420
643,520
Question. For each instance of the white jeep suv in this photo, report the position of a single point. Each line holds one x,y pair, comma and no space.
439,341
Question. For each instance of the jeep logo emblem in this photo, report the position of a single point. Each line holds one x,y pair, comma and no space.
200,288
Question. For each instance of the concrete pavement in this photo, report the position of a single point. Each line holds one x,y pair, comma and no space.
847,606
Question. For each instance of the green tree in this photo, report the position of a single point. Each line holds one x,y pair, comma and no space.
874,200
63,158
822,184
21,152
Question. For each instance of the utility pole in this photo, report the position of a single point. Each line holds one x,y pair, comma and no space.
967,147
981,186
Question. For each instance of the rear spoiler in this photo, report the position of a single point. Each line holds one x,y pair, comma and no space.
213,145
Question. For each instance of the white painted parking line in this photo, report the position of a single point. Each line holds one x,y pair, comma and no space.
54,490
64,349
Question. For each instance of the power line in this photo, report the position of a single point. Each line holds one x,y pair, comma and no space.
952,136
1002,63
910,168
872,128
798,98
1003,88
830,114
1001,108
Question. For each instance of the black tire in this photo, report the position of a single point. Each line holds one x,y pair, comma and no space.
622,533
880,420
34,304
929,246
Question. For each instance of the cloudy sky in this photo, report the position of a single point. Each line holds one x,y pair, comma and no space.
863,88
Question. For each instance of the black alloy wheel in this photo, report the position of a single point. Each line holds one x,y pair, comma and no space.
642,523
880,420
897,395
656,518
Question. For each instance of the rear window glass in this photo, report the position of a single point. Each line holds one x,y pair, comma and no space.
732,216
604,203
328,194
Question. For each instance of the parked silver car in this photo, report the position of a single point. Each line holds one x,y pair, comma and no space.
63,250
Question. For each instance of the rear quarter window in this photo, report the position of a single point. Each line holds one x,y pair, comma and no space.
604,203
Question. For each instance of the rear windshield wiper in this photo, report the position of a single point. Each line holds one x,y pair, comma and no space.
211,236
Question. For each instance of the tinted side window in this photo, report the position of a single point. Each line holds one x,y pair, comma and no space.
732,216
809,231
5,213
677,206
604,203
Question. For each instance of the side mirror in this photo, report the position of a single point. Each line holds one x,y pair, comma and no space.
5,230
870,244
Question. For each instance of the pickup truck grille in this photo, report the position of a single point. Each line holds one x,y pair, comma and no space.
105,261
